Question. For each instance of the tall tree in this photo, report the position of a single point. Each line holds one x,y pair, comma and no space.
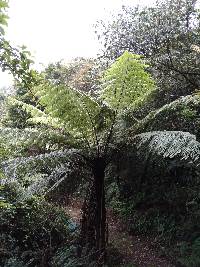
167,34
17,62
81,73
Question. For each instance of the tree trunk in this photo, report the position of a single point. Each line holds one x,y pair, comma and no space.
93,224
100,224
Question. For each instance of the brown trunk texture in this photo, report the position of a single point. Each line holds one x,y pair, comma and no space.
93,224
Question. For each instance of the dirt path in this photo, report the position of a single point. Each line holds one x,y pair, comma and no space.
136,251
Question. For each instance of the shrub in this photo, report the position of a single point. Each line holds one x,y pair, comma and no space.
32,231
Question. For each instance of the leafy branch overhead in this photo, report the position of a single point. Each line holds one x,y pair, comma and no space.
3,15
15,60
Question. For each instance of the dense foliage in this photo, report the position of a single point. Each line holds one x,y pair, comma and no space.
112,135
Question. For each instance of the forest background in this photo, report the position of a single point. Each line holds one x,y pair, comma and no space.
118,132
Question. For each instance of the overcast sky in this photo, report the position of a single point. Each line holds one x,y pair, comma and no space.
61,29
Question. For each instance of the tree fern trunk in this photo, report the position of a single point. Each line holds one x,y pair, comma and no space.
94,227
100,224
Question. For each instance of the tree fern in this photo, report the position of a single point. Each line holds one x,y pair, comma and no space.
95,123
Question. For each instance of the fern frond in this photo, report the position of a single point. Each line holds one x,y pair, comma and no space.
41,173
64,102
15,168
169,145
38,116
42,184
181,114
126,83
29,141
